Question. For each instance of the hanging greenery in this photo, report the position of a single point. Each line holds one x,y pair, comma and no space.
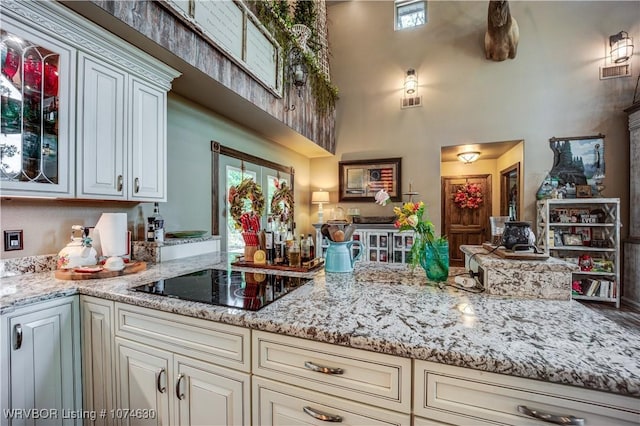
276,17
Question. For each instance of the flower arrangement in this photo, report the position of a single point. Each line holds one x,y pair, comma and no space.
410,217
282,201
468,196
245,190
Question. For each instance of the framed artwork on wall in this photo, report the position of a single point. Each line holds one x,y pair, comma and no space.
360,180
578,162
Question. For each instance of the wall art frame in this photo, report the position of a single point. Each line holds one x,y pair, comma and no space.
577,161
359,180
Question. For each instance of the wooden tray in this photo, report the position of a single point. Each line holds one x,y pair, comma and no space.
246,264
71,274
515,255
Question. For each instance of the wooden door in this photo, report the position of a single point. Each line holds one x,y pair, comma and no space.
464,226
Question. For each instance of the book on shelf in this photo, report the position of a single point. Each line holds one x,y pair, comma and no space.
591,287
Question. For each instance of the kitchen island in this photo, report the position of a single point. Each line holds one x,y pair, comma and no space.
554,341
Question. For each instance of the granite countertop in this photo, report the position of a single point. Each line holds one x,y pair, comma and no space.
556,341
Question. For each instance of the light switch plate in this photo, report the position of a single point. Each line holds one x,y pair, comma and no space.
13,240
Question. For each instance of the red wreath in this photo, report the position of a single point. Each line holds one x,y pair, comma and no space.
468,196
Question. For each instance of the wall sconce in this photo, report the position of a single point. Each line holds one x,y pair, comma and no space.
410,82
621,47
298,73
468,157
319,197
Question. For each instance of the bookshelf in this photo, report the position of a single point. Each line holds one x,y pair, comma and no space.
585,231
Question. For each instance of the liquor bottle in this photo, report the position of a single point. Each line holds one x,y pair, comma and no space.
269,243
151,229
312,247
158,223
305,254
288,242
294,253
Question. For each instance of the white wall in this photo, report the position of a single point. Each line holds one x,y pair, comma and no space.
550,89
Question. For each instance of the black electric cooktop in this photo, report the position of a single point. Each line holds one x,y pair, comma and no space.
244,290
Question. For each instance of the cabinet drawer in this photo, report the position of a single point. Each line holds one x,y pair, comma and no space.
444,392
279,404
210,341
369,377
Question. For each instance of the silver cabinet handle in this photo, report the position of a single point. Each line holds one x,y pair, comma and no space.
550,418
137,185
179,393
321,369
120,182
333,418
17,340
161,389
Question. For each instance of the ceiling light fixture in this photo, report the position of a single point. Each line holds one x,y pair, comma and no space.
621,47
468,157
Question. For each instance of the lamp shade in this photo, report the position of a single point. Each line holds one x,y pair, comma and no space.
621,47
319,197
468,157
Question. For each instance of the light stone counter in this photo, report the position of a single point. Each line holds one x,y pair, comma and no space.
558,341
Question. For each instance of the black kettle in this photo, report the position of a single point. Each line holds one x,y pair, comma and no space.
517,236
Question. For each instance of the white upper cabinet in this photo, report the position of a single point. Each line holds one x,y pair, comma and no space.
37,136
116,124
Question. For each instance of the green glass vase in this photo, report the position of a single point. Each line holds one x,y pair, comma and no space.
435,260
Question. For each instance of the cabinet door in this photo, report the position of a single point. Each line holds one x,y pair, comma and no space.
148,144
97,357
209,395
42,373
144,376
38,108
101,130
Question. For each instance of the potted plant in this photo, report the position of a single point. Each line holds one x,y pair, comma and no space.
304,18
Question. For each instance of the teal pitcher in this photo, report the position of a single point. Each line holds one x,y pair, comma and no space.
339,257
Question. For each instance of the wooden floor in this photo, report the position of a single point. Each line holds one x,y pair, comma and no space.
626,316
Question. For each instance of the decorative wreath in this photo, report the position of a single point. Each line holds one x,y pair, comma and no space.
468,196
282,201
246,190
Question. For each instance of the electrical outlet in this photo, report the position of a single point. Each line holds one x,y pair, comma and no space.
13,240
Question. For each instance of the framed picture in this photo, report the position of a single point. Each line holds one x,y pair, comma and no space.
583,191
572,239
570,174
360,180
585,233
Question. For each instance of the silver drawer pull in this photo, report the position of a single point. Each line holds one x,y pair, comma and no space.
161,389
179,393
17,342
320,369
550,418
322,416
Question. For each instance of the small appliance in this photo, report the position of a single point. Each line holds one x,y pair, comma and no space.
236,289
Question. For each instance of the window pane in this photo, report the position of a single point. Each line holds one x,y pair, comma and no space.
410,14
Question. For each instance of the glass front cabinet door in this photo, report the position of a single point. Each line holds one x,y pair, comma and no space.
36,111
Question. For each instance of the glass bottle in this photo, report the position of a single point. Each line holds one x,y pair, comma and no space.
294,253
158,223
312,247
269,243
305,254
288,243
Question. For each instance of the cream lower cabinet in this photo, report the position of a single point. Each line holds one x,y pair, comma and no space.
445,394
298,381
167,368
40,364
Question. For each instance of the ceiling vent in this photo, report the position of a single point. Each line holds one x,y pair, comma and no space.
411,102
615,71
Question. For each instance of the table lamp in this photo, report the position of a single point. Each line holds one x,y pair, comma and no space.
319,197
112,232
